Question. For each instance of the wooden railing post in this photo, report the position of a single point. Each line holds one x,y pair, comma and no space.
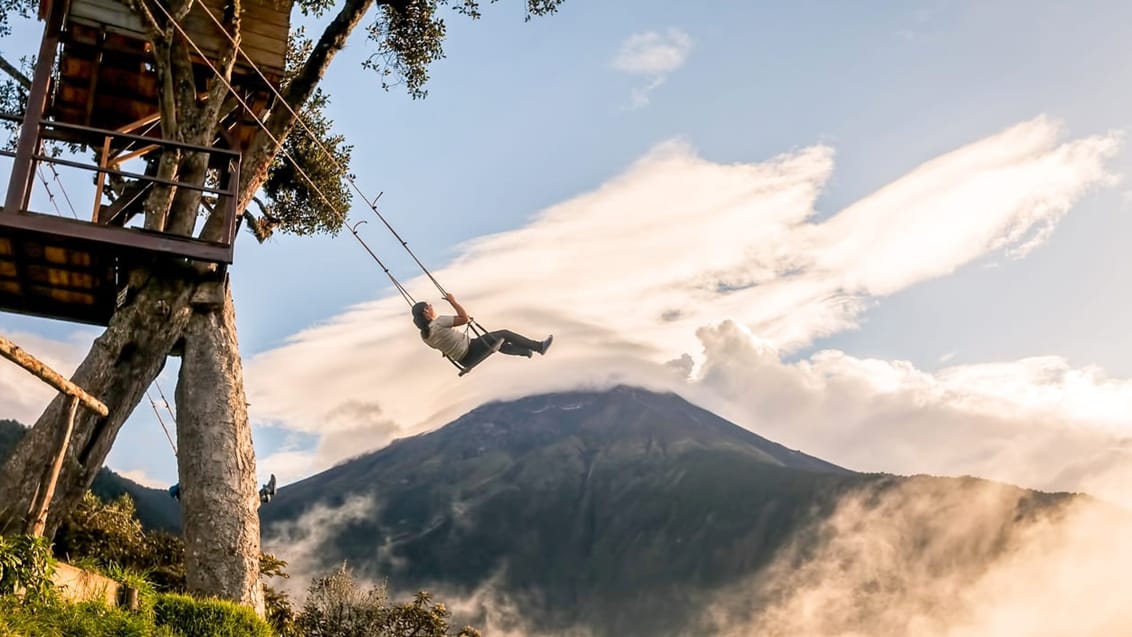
40,505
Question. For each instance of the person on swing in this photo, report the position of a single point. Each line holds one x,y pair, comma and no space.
438,333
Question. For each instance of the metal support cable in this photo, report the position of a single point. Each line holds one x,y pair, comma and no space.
47,187
63,190
277,142
334,160
160,420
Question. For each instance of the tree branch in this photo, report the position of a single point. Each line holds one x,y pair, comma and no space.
280,119
139,7
10,69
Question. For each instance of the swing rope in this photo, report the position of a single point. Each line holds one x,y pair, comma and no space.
400,288
161,420
279,143
326,151
341,170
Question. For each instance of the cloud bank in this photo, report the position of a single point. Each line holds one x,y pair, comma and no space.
23,396
1035,422
943,560
628,275
704,278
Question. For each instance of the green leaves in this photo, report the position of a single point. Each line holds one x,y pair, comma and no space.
194,617
21,8
410,36
110,535
296,206
25,565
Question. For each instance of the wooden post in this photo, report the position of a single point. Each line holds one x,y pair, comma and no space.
128,597
12,352
23,166
47,484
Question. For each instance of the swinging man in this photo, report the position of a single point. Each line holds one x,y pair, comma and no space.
438,333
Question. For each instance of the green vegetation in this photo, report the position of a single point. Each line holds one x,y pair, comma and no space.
194,617
338,606
25,567
107,535
107,538
52,617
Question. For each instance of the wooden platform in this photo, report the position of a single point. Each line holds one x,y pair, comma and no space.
62,279
103,93
74,270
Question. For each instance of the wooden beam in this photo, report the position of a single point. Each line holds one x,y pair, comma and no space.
118,160
103,162
133,126
24,165
130,239
46,491
92,87
12,352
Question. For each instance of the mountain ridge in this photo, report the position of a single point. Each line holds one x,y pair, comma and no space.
558,496
618,512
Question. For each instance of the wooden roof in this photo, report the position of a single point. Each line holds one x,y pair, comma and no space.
106,77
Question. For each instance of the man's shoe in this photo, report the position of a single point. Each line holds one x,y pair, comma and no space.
546,344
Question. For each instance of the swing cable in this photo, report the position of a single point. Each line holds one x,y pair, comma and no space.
326,151
278,143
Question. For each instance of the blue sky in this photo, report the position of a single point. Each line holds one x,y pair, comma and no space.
526,118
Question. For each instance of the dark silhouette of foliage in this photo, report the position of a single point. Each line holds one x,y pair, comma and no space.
339,606
410,36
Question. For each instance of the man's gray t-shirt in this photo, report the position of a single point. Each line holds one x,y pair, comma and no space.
441,336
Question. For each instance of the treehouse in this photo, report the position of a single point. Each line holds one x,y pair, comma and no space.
95,88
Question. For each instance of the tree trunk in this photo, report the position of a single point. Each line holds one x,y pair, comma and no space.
121,364
219,501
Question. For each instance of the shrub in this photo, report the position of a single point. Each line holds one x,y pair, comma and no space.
339,606
25,566
191,617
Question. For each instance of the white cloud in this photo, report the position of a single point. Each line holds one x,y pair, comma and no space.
1035,422
944,561
626,274
302,542
652,54
141,477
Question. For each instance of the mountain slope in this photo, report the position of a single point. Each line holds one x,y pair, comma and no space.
575,505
